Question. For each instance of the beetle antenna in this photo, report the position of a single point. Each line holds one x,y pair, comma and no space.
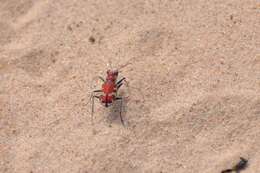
129,62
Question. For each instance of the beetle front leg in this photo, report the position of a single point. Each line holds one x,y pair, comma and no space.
119,83
101,78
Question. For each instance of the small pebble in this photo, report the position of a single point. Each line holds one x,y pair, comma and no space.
92,40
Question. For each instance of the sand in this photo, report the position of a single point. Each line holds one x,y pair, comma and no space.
191,100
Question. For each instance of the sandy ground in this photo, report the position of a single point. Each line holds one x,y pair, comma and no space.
192,103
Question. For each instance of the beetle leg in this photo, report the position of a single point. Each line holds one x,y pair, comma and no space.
120,81
97,91
118,86
101,78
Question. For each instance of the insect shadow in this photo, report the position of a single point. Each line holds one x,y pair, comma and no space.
117,107
241,165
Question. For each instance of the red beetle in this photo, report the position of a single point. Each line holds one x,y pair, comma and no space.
108,93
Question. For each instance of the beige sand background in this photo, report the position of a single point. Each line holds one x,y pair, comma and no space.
192,104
